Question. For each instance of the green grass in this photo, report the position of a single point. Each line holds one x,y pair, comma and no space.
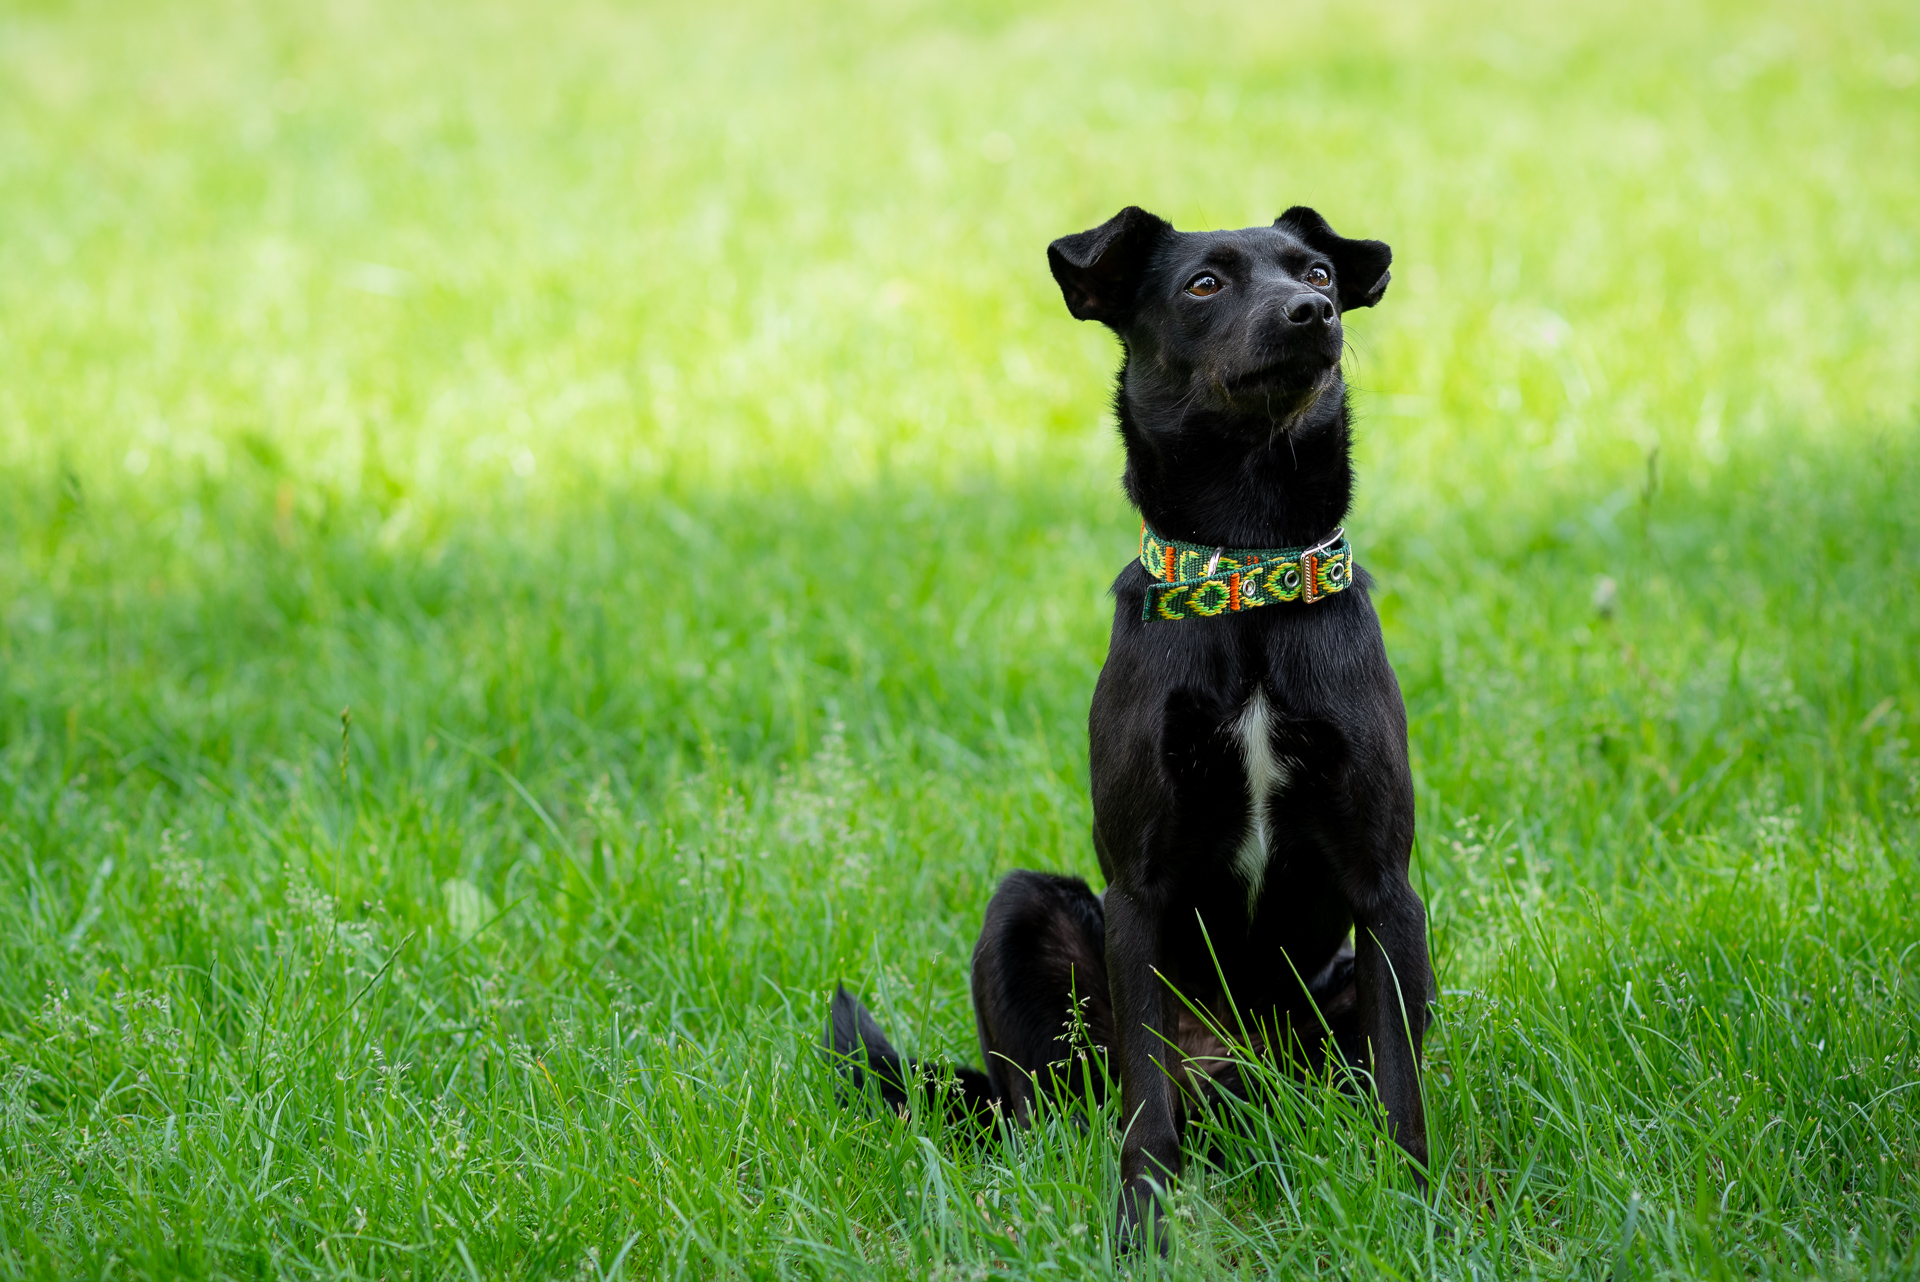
660,429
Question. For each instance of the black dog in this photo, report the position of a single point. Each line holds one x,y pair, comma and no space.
1251,794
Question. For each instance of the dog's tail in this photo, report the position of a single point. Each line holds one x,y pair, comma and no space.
855,1039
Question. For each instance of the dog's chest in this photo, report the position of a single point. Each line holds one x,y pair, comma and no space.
1267,773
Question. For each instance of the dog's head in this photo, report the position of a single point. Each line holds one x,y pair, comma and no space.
1242,322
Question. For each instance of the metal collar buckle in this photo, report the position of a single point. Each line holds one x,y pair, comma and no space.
1331,541
1310,560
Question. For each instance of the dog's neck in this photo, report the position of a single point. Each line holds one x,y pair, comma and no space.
1244,482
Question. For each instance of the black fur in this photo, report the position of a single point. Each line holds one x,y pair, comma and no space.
866,1055
1234,415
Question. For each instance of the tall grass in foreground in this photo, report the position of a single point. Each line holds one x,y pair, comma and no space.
658,429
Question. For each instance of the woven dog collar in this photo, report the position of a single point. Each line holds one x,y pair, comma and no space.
1191,579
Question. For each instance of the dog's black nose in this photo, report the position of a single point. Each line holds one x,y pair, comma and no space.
1309,309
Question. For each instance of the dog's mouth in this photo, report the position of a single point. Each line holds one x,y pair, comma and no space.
1282,376
1287,386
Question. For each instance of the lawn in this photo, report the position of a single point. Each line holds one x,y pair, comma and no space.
535,539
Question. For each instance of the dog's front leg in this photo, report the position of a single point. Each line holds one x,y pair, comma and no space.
1394,978
1142,1025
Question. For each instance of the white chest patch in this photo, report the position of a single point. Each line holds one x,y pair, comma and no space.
1267,773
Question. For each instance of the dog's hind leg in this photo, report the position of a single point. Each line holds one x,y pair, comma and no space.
864,1052
1040,988
1336,1000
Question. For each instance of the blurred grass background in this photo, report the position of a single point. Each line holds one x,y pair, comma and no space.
659,427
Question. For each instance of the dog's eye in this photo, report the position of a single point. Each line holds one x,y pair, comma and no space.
1318,277
1203,284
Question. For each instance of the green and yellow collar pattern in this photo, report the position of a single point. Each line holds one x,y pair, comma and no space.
1193,580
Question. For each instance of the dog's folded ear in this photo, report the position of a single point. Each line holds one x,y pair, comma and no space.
1099,270
1359,266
